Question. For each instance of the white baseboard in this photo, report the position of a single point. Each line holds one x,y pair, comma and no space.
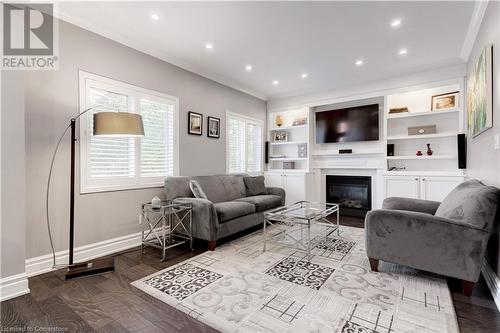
43,264
13,286
493,282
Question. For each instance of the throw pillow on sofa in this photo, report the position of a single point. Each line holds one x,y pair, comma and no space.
255,185
197,190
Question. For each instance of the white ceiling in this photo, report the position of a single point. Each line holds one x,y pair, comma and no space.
282,40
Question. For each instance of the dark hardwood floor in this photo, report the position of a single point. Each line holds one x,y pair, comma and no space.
108,303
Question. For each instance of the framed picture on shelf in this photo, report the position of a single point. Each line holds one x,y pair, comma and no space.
280,136
213,125
445,101
195,123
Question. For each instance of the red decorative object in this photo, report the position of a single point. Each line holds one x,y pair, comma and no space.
419,153
429,150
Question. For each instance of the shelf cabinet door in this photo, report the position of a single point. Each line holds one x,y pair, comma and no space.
437,188
274,180
402,186
295,188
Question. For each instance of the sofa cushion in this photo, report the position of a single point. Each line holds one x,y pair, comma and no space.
471,202
255,185
263,202
213,188
229,210
197,190
234,186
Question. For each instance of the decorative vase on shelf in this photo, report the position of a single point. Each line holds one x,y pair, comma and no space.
419,153
279,121
429,150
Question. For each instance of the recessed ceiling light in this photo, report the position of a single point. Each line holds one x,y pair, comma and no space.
209,46
304,76
396,23
248,68
155,17
276,82
403,52
359,62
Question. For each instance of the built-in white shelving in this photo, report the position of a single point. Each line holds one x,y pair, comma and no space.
287,143
337,154
423,157
420,114
288,158
281,128
422,136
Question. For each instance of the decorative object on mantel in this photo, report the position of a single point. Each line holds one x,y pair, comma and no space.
281,136
394,168
302,150
300,121
398,110
345,151
390,149
195,123
289,165
419,153
277,156
419,130
429,150
445,101
279,120
480,93
156,202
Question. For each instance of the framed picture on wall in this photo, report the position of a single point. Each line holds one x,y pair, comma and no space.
213,125
445,101
195,123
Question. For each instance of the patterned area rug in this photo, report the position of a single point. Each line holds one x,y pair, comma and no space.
240,288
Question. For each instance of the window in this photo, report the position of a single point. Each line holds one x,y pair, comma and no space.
114,163
244,144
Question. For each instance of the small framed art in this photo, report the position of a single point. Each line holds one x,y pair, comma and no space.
195,123
213,127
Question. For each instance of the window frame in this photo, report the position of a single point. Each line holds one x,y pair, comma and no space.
248,119
88,80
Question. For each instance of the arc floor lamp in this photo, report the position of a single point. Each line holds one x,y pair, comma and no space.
123,124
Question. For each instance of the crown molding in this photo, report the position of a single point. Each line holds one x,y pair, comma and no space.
154,52
473,29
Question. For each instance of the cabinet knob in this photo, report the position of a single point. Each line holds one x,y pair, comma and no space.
423,179
416,179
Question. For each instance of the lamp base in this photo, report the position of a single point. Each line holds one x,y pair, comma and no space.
96,266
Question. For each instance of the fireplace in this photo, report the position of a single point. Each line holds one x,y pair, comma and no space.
352,193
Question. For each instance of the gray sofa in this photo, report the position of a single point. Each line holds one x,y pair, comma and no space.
447,238
228,209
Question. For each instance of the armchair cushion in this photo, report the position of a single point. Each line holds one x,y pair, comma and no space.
263,202
472,203
232,209
423,241
413,205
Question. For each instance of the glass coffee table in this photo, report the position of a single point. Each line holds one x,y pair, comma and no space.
300,216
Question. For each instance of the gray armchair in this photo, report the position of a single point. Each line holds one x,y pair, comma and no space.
447,238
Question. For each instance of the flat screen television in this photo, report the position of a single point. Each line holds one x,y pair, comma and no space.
359,123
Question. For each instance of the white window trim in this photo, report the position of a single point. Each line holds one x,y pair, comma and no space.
85,79
251,119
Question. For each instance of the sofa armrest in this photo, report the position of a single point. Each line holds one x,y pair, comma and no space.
277,191
413,205
205,223
426,242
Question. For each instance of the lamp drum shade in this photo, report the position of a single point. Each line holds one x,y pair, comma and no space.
118,124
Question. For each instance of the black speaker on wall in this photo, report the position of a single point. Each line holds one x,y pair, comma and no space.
462,151
390,149
266,152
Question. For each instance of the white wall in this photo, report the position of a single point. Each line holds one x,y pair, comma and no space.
52,99
483,162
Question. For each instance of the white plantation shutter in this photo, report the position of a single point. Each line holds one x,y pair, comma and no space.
157,150
109,156
112,163
244,144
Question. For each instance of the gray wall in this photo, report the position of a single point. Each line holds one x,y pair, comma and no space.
52,98
482,160
12,235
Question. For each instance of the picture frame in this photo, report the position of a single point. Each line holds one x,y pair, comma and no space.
280,136
213,127
480,93
445,101
195,123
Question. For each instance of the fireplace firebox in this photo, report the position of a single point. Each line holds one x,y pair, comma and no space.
352,193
